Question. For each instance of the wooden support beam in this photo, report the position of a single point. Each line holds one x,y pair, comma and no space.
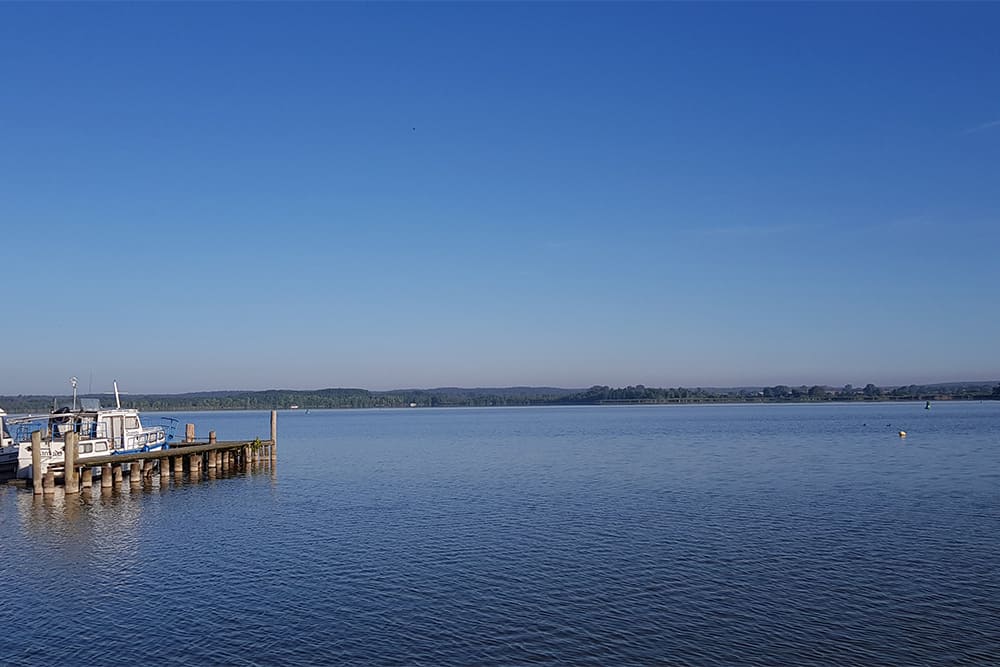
274,434
70,443
36,462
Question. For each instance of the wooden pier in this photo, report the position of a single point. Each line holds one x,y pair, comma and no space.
189,456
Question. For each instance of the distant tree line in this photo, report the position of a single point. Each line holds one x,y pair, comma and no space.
781,394
509,396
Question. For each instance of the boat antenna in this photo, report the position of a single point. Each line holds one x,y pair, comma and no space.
118,401
72,381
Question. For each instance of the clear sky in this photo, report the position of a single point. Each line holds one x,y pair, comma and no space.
248,196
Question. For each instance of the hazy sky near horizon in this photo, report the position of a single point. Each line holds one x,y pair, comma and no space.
302,195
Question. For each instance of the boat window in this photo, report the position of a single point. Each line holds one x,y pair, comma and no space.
101,447
117,430
141,440
131,422
87,447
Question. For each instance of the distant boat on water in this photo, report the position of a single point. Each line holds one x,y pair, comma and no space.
927,406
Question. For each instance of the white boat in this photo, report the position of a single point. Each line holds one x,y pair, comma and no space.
101,431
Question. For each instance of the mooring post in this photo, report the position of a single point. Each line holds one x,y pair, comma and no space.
116,474
189,433
49,482
178,466
87,478
274,434
165,468
211,437
36,462
135,474
106,476
69,454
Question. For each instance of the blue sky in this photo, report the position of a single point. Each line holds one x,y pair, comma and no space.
211,195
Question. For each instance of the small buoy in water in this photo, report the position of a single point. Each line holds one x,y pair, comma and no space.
902,434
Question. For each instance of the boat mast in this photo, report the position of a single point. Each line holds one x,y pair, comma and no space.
118,401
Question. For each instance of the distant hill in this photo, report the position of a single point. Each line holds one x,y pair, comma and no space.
510,396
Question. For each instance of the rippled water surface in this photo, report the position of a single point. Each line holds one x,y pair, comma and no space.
701,535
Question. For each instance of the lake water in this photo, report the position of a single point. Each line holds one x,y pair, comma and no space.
679,535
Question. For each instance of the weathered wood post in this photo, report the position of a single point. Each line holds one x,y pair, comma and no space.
178,466
49,482
36,462
212,454
165,467
135,474
106,476
69,453
116,474
274,434
87,478
189,433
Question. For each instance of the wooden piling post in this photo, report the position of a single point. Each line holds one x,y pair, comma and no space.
69,453
36,462
178,466
147,469
135,474
274,434
87,478
211,456
106,476
116,474
165,468
189,433
49,482
193,461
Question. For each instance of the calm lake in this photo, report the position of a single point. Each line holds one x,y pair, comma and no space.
677,535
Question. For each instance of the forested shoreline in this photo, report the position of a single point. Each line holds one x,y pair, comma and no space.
511,396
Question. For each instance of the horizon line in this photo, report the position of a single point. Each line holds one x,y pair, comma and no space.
517,386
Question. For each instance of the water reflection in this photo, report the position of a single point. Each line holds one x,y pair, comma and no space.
97,511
